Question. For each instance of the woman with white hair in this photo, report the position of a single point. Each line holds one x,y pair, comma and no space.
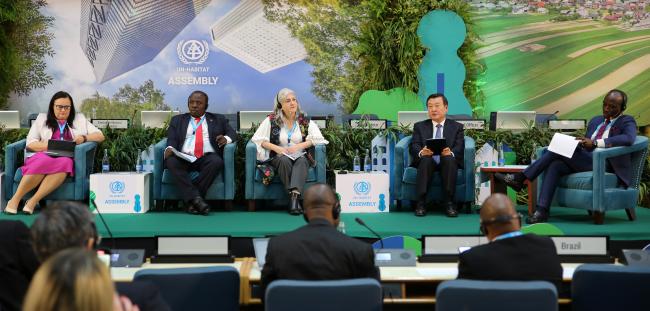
285,141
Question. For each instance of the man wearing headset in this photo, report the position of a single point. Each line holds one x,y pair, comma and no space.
510,255
612,129
317,251
200,134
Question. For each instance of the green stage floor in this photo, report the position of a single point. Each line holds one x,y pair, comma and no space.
262,223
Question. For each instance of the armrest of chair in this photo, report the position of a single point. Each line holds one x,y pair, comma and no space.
11,165
158,166
321,162
602,154
402,160
84,162
251,161
468,166
229,170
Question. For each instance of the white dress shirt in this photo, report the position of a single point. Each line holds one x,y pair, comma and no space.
600,143
190,141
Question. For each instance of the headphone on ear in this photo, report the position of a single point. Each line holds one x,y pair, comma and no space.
336,210
277,101
96,238
623,95
503,219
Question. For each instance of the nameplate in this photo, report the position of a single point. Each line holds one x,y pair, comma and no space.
567,125
580,245
449,245
193,245
112,123
372,124
472,124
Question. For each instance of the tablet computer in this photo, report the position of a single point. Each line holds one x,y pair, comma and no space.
436,145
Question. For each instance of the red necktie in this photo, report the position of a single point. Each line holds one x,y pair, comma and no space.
198,143
601,130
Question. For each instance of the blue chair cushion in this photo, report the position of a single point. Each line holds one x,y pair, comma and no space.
168,178
311,176
19,175
585,180
410,177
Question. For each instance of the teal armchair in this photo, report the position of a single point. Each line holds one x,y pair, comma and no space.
404,176
222,188
598,191
256,190
74,188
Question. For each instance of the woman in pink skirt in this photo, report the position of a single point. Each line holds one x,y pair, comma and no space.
60,122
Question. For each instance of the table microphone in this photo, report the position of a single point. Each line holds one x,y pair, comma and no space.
359,221
110,234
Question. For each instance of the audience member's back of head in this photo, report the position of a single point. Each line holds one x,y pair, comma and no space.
62,225
73,279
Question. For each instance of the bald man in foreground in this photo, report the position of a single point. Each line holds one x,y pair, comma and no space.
317,251
510,255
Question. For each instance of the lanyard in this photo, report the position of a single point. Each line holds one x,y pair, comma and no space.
290,132
195,127
508,235
611,122
62,129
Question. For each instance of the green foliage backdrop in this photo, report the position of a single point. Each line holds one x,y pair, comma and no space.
360,45
24,43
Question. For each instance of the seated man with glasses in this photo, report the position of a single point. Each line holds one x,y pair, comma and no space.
510,255
60,122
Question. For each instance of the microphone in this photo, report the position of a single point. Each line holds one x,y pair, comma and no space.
359,221
110,234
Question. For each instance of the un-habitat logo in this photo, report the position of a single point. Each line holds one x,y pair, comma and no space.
362,187
192,51
116,186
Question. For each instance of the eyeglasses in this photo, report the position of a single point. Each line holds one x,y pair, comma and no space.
59,107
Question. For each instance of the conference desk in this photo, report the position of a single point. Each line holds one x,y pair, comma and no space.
417,285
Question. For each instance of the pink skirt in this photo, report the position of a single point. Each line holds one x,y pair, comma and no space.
41,163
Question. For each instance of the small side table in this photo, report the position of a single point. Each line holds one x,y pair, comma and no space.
496,186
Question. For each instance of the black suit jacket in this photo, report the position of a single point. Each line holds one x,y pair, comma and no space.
217,125
523,258
452,131
317,251
18,263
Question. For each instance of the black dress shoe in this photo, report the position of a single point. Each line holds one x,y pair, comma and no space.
450,209
198,206
421,208
294,205
515,181
538,217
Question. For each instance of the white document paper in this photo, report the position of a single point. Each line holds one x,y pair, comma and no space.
294,155
563,145
184,156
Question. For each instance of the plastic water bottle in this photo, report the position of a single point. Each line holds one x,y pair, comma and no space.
106,165
533,155
356,163
341,227
94,114
144,156
367,165
151,158
502,158
138,163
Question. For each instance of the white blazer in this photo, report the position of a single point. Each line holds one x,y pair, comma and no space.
39,131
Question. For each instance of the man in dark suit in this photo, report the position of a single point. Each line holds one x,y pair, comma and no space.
448,162
612,129
318,251
510,255
202,135
18,263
